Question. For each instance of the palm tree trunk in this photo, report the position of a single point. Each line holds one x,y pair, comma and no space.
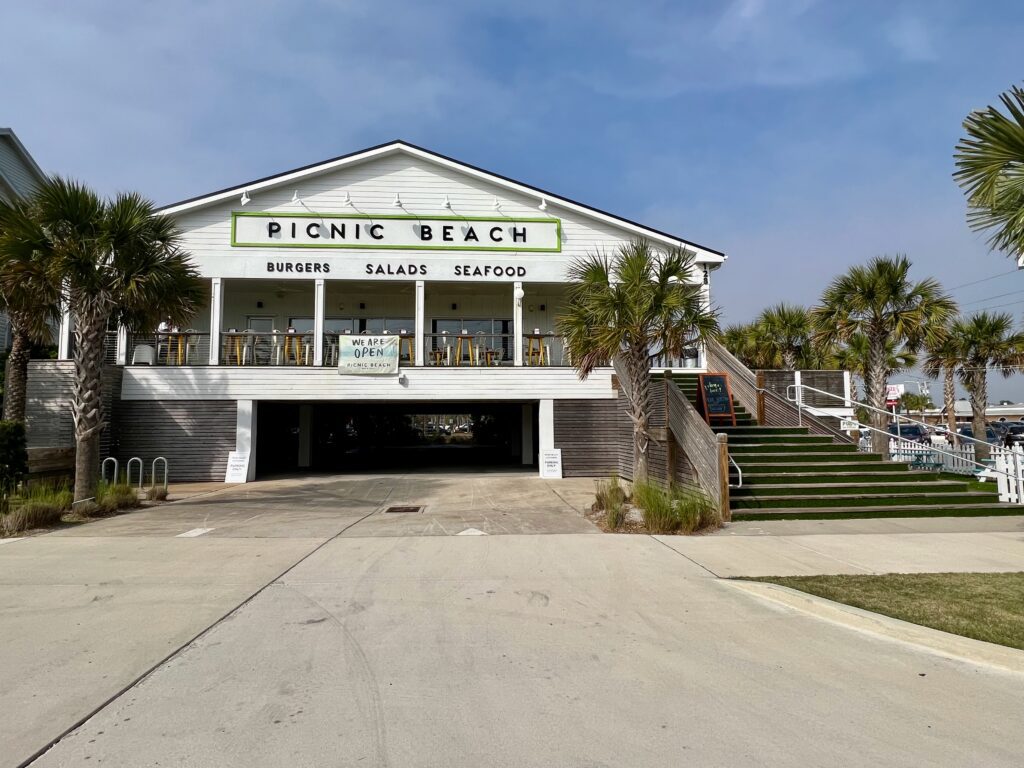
87,400
789,359
876,387
949,401
979,398
16,372
639,410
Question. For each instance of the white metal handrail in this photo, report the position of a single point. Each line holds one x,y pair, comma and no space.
798,400
739,472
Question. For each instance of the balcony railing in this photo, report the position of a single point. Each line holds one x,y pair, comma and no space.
172,348
245,348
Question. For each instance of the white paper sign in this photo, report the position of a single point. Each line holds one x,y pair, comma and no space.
238,467
848,425
368,354
551,463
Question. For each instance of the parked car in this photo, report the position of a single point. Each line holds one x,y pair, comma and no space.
1013,435
914,432
990,434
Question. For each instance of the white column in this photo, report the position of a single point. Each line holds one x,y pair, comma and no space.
216,312
121,352
64,337
319,292
419,347
527,451
545,427
305,434
245,434
517,324
702,358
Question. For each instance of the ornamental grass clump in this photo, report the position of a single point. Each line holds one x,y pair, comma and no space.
694,509
38,506
611,499
110,497
655,503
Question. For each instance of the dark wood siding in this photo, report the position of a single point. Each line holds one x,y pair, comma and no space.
193,435
587,433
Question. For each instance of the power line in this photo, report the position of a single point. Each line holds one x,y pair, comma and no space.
990,298
983,280
997,306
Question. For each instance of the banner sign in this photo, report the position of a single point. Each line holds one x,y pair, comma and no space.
257,229
368,354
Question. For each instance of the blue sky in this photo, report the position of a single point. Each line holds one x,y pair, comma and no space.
800,137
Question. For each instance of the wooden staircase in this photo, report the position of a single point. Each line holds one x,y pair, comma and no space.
789,473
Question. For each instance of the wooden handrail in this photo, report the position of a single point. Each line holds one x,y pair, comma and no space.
706,451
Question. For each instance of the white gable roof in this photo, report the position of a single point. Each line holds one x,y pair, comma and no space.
706,255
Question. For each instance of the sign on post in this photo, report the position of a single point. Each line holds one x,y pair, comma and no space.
849,425
551,463
368,355
716,398
238,467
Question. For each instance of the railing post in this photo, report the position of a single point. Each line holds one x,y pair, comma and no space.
671,447
760,398
723,475
216,310
419,348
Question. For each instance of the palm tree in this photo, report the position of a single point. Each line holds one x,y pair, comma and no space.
853,357
27,294
787,329
982,341
748,343
912,401
990,168
634,306
943,358
119,262
878,302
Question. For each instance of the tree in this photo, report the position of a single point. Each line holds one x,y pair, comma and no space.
634,306
118,261
990,169
28,295
747,342
985,340
942,357
787,330
853,357
878,302
912,401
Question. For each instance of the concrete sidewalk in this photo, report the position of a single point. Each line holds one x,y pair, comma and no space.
816,554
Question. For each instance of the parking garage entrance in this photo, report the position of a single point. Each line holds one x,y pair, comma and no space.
361,437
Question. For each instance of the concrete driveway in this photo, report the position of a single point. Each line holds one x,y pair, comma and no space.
307,627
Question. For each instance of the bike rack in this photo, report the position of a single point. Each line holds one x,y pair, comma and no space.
103,469
153,475
128,471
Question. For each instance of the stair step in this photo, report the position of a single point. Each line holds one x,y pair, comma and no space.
814,460
793,448
761,479
862,500
759,430
786,439
898,488
904,510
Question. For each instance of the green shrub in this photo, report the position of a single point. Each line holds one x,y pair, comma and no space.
13,454
614,515
694,509
111,497
656,504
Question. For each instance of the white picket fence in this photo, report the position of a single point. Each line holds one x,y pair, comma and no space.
1006,465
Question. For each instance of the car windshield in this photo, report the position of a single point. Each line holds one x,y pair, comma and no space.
1016,430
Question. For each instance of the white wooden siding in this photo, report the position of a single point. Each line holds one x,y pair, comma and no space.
13,168
422,384
373,186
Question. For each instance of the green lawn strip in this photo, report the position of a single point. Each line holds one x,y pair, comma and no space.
983,606
853,513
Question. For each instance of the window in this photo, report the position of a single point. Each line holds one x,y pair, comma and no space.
260,324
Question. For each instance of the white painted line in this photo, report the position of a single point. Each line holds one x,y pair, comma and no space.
471,532
193,533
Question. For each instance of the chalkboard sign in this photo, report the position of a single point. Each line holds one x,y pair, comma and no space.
716,398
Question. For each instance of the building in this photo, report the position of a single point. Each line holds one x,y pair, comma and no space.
439,279
19,176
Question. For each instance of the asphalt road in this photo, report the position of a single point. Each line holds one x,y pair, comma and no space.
402,644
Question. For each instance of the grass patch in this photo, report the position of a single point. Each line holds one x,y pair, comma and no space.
611,499
853,513
656,505
684,509
156,493
982,606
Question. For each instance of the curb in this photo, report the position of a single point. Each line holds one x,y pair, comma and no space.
933,640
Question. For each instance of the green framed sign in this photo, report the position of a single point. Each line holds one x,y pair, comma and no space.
258,229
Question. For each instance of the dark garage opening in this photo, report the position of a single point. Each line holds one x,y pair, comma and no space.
359,437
